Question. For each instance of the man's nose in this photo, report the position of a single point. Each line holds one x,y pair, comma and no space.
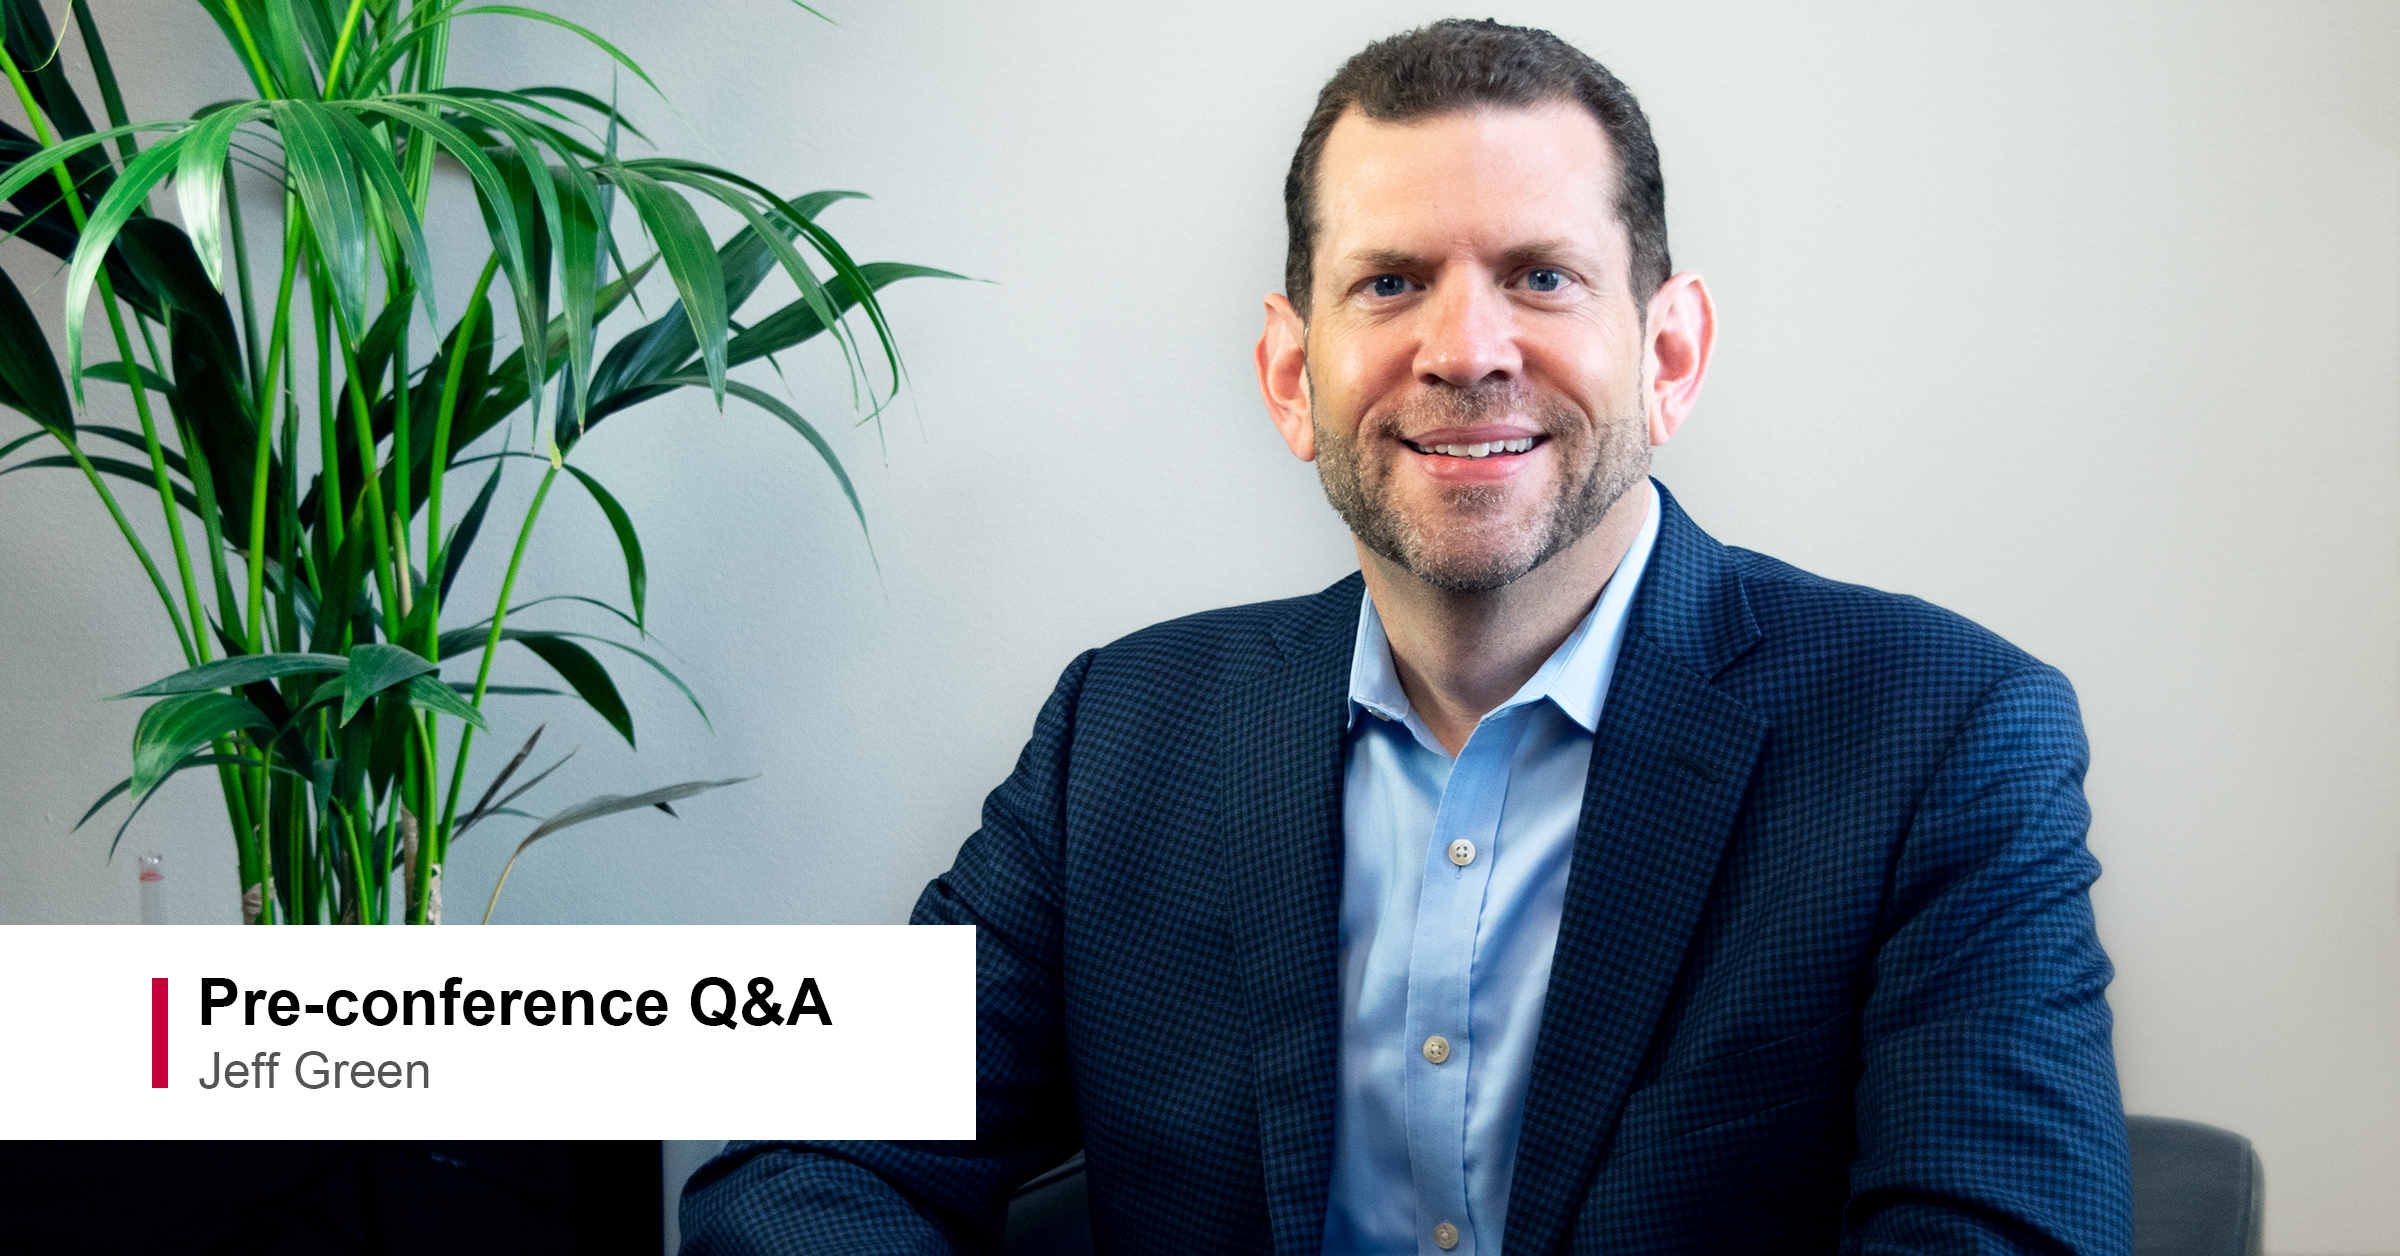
1469,333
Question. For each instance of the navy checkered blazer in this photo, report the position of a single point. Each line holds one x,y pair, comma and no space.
1827,978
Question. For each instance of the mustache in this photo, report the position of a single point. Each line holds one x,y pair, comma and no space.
1440,405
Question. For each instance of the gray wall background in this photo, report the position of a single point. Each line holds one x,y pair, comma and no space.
2081,320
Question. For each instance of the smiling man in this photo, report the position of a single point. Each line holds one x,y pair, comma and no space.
1566,880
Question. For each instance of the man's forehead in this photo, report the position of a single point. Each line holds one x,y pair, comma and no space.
1525,180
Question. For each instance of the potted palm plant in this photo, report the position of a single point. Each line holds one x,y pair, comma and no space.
308,421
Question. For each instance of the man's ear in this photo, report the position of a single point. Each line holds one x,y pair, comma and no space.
1683,333
1283,376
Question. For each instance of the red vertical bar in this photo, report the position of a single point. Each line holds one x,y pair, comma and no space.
158,1033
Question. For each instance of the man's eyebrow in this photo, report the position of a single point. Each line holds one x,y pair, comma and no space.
1533,251
1384,259
1540,251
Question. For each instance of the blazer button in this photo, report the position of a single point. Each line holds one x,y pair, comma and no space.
1445,1236
1437,1048
1462,852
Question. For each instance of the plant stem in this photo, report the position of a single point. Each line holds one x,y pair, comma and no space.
483,673
265,426
158,460
402,423
372,482
341,47
106,75
437,555
330,505
258,64
296,551
431,63
260,381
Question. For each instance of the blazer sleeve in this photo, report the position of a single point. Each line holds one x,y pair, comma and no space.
859,1198
1988,1117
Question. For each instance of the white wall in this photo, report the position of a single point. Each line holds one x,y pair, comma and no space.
2079,319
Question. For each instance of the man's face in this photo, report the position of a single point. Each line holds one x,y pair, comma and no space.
1474,356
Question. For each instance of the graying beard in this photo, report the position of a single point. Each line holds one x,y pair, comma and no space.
1622,464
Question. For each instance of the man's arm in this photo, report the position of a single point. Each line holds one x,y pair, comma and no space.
1988,1115
857,1198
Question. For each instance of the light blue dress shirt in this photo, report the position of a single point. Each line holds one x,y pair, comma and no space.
1454,873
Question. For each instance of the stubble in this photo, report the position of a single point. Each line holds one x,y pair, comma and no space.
1475,538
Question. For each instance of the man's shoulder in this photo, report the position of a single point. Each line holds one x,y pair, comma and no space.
1778,635
1803,611
1862,665
1219,644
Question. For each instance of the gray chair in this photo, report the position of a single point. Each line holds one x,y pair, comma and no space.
2197,1190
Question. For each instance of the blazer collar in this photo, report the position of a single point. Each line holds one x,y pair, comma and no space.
1671,763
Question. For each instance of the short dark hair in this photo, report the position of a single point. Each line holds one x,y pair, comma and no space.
1454,65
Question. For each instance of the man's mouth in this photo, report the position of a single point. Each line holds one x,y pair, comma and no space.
1479,449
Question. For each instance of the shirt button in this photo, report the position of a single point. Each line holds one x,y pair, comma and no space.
1445,1236
1462,852
1437,1049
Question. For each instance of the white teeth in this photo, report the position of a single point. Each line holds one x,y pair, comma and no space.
1484,449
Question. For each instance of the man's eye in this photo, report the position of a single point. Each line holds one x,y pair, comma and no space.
1387,285
1544,279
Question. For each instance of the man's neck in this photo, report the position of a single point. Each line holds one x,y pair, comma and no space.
1459,655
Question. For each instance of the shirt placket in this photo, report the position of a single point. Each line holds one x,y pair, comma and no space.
1458,866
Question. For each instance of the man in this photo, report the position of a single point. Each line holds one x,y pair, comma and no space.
1564,881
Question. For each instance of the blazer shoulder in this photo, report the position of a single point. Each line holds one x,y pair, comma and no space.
1851,627
1217,645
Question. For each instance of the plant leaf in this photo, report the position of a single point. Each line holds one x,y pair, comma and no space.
636,573
400,209
515,761
460,640
112,466
29,379
462,537
374,668
200,185
537,15
322,171
588,101
283,41
99,231
428,693
115,373
193,760
590,680
492,194
133,439
519,608
40,164
173,727
774,405
233,673
610,804
22,441
799,320
699,278
604,805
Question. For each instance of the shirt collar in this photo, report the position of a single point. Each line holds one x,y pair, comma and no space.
1575,677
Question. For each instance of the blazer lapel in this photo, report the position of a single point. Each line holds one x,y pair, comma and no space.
1282,790
1670,763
